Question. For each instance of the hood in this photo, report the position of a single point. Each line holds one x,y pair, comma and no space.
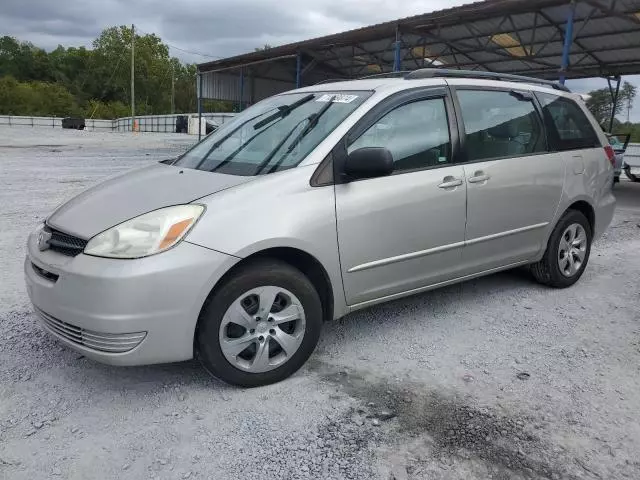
134,193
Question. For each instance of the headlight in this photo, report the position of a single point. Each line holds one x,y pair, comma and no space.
153,232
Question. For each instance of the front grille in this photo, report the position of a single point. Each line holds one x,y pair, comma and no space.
64,243
102,342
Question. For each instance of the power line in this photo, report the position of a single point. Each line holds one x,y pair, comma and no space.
192,52
182,49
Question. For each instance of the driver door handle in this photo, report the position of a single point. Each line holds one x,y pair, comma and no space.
450,182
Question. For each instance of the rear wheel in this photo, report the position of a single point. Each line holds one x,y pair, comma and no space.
260,326
631,176
567,252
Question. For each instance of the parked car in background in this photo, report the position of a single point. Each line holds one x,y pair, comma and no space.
318,202
631,165
619,144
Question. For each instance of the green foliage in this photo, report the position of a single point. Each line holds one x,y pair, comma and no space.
628,127
96,82
35,98
106,110
601,105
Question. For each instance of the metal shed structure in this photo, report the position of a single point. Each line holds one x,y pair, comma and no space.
551,39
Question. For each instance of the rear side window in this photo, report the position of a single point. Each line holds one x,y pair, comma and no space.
500,124
567,125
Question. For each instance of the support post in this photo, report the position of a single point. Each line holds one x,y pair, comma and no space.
133,83
199,105
241,89
299,70
397,60
614,99
568,40
173,90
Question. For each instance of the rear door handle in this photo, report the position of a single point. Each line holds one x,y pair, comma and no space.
450,182
479,177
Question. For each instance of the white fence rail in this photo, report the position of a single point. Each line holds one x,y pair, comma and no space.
146,123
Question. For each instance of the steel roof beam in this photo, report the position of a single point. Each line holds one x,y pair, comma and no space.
575,40
610,12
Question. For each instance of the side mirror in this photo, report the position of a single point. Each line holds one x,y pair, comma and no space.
369,162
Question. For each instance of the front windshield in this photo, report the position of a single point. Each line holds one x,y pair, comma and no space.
273,135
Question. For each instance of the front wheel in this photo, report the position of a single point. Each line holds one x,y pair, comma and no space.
260,326
567,252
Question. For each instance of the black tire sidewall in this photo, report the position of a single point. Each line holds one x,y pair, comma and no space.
256,274
557,277
631,176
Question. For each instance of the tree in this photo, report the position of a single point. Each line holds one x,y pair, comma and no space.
35,98
628,94
96,82
601,105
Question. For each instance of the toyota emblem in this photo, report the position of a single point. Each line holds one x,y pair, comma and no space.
43,240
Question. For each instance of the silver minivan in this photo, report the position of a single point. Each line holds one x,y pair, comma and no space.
318,202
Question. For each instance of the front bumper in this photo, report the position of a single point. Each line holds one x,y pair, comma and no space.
124,312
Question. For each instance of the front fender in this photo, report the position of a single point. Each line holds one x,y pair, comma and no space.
274,211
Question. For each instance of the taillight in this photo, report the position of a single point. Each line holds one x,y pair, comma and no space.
611,155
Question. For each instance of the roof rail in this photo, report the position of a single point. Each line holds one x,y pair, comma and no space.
332,80
402,73
507,77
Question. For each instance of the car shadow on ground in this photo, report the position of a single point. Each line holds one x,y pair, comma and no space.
192,375
422,306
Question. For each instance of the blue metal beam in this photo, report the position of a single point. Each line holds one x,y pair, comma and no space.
568,40
299,70
397,59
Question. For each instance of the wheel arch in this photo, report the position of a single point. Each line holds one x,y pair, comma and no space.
309,265
586,209
581,205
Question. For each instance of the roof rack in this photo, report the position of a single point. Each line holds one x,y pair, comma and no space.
400,74
331,80
449,73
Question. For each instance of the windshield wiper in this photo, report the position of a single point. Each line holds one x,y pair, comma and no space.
232,155
283,111
313,121
273,152
224,139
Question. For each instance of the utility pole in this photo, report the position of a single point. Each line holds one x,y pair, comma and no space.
173,90
133,83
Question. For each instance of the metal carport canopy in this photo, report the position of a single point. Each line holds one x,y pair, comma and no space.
542,38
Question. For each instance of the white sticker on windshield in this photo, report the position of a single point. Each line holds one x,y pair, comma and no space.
337,98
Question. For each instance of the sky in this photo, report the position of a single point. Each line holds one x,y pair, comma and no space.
215,28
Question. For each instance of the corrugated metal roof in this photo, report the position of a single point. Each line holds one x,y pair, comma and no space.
473,36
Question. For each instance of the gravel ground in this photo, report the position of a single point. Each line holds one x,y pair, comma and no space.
494,378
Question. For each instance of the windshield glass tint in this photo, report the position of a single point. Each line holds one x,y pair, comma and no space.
273,135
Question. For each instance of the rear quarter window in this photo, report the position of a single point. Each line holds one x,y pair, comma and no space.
567,125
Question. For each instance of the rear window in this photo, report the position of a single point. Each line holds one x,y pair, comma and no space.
567,125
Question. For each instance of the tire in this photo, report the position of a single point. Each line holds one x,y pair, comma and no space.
548,270
241,299
631,176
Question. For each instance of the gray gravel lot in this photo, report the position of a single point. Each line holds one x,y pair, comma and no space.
494,378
